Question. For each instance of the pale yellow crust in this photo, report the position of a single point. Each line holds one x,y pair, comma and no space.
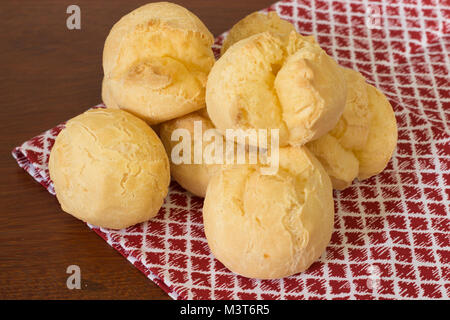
192,177
339,149
156,61
270,226
382,138
340,163
107,97
109,169
335,150
254,23
364,139
264,82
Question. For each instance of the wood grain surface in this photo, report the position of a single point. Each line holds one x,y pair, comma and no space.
49,74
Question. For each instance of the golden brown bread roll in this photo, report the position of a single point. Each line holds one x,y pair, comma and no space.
364,139
270,226
109,169
156,61
193,177
263,82
345,152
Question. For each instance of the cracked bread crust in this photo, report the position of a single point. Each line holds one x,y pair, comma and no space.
109,169
156,61
336,149
364,139
270,226
263,82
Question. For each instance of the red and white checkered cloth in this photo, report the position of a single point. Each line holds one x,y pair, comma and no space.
392,232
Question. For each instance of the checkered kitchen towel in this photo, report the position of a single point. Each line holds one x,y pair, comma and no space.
391,237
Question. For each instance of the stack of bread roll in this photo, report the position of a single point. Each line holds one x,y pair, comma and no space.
111,169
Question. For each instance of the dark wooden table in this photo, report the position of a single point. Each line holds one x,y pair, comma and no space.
49,74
